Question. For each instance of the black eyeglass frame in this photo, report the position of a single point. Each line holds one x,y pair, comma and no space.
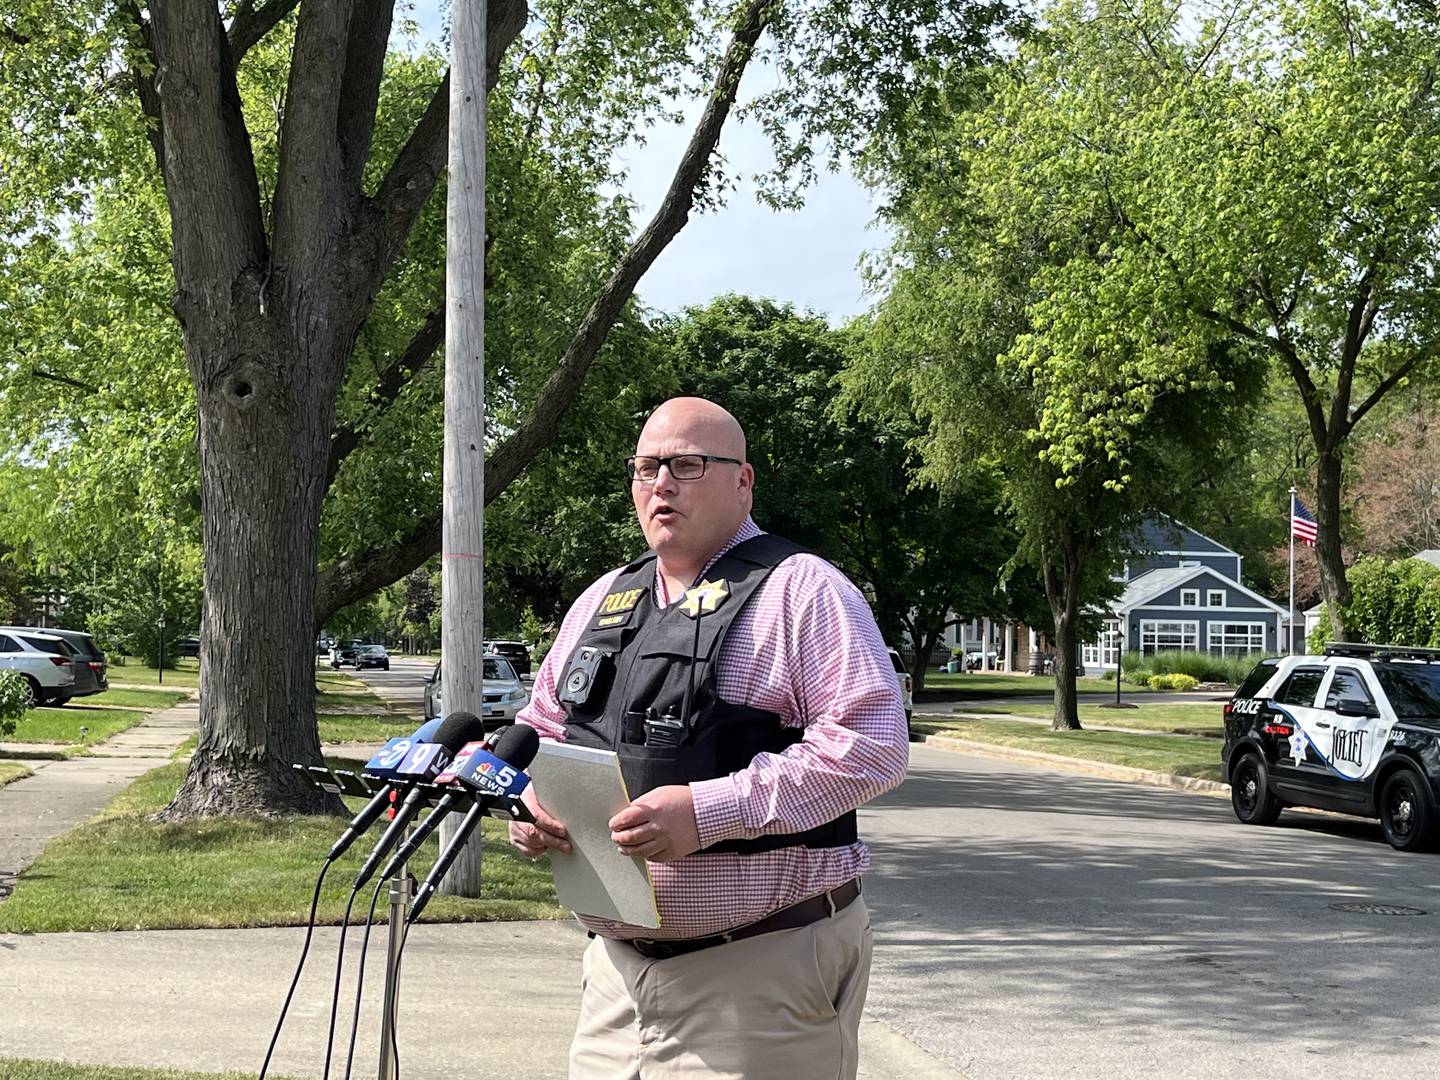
664,463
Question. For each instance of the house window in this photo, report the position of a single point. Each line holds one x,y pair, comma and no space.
1235,639
1157,636
1105,650
1189,597
1215,598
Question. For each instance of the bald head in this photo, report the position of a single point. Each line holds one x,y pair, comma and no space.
704,422
687,521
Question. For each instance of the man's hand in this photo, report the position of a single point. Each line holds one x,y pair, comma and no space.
534,840
658,826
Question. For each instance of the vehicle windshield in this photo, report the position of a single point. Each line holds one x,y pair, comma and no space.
499,670
1413,689
372,650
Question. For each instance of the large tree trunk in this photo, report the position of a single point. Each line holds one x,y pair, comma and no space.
1334,584
264,426
1062,589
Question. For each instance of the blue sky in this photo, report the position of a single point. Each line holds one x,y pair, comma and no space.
808,257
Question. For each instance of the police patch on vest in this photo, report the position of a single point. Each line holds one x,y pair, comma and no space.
617,608
704,598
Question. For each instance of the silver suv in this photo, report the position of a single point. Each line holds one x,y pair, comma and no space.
88,663
44,661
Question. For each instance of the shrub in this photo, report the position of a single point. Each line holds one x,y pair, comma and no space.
1174,681
14,699
1137,678
1203,667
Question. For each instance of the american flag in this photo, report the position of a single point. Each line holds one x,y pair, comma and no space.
1302,523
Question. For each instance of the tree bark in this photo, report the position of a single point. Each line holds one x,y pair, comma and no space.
269,323
1062,589
1334,582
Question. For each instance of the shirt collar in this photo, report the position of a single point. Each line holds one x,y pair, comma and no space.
748,530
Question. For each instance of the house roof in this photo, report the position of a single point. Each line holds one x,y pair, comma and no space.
1163,534
1141,590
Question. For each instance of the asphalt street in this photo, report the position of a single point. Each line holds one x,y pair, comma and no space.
1037,924
1032,923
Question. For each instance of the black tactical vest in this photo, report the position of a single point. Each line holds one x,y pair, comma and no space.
641,682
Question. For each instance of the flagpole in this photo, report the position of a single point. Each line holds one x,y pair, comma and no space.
1290,615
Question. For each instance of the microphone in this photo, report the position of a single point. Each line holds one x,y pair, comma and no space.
423,762
449,801
385,765
494,777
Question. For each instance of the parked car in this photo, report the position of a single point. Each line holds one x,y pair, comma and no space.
44,661
368,656
343,652
188,646
976,660
517,652
907,688
503,693
88,662
323,644
1356,730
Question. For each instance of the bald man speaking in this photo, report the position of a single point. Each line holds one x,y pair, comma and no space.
746,689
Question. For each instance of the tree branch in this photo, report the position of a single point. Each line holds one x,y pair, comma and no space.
42,373
357,577
249,26
1386,385
412,176
360,90
145,82
393,380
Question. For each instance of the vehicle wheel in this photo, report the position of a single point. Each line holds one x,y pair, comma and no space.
1250,794
385,666
33,696
1407,813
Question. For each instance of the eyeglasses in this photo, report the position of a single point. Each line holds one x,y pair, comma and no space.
682,466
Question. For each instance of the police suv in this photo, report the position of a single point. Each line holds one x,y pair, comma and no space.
1356,730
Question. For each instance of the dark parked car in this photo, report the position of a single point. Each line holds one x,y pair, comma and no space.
368,656
188,646
343,652
1356,731
88,663
517,652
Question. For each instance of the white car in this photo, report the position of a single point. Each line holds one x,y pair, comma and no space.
503,693
44,661
907,687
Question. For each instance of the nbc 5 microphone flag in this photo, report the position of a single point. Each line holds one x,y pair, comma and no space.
1302,523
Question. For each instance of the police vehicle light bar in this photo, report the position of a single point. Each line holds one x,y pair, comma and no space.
1380,652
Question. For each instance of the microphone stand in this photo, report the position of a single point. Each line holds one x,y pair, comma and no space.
399,902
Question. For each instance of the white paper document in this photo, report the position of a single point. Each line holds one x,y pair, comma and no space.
583,789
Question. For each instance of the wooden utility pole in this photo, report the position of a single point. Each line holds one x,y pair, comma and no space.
462,580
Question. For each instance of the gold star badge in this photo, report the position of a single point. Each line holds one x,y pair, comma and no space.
704,598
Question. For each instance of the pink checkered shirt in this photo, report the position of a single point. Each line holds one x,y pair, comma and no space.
806,647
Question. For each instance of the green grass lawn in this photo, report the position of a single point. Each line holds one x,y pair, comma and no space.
123,871
149,700
982,685
349,699
1181,755
363,727
131,669
63,725
24,1069
12,770
1180,719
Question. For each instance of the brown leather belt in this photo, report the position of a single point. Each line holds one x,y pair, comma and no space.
787,918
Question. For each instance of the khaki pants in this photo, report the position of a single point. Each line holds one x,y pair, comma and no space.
784,1005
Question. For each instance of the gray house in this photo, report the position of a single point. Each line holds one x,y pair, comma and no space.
1183,592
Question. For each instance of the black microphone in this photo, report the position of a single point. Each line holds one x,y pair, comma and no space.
499,777
451,800
385,765
423,763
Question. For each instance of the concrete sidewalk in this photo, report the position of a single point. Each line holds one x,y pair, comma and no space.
62,794
507,992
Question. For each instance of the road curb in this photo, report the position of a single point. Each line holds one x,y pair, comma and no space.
1082,766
